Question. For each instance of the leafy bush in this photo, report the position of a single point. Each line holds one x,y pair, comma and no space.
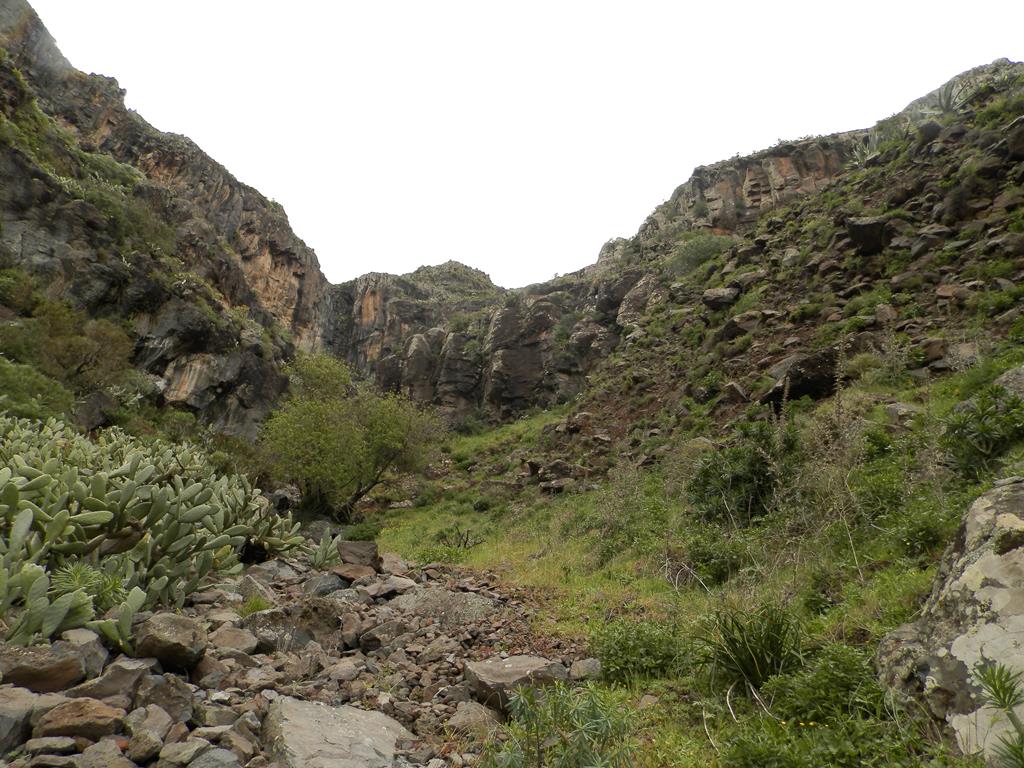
562,727
850,743
739,482
696,250
838,682
26,393
712,557
367,530
64,344
636,649
748,648
979,430
337,440
152,518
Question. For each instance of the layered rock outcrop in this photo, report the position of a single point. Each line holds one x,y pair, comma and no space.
123,220
731,195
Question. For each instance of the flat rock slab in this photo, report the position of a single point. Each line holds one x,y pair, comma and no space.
494,680
451,609
305,734
233,638
42,668
80,717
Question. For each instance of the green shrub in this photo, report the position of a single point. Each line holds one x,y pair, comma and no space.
923,527
747,648
338,440
695,250
254,604
978,431
367,530
837,682
739,482
26,393
851,743
562,727
637,649
879,486
83,354
712,556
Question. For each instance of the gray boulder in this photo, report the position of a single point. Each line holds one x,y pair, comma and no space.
869,233
975,614
306,734
720,298
89,645
450,609
234,638
474,720
178,642
121,679
494,680
16,708
324,584
103,754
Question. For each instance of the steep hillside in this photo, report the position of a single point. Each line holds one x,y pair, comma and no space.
747,490
123,221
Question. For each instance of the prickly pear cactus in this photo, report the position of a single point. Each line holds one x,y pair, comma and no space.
153,515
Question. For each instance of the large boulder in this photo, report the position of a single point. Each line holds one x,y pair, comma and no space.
869,234
306,734
720,298
42,668
103,754
16,708
450,609
120,679
234,639
360,553
811,375
90,718
178,642
494,680
975,614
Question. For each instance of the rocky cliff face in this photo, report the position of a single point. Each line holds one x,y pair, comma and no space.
536,345
731,195
124,220
224,227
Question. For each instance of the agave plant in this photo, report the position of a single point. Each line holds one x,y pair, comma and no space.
1002,689
747,648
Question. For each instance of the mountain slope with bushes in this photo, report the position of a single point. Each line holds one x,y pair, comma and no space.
745,491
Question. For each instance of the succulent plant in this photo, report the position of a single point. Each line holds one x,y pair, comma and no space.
105,517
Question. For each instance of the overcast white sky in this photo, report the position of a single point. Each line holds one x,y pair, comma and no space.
515,137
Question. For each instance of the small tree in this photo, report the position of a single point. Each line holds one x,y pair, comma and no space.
337,439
